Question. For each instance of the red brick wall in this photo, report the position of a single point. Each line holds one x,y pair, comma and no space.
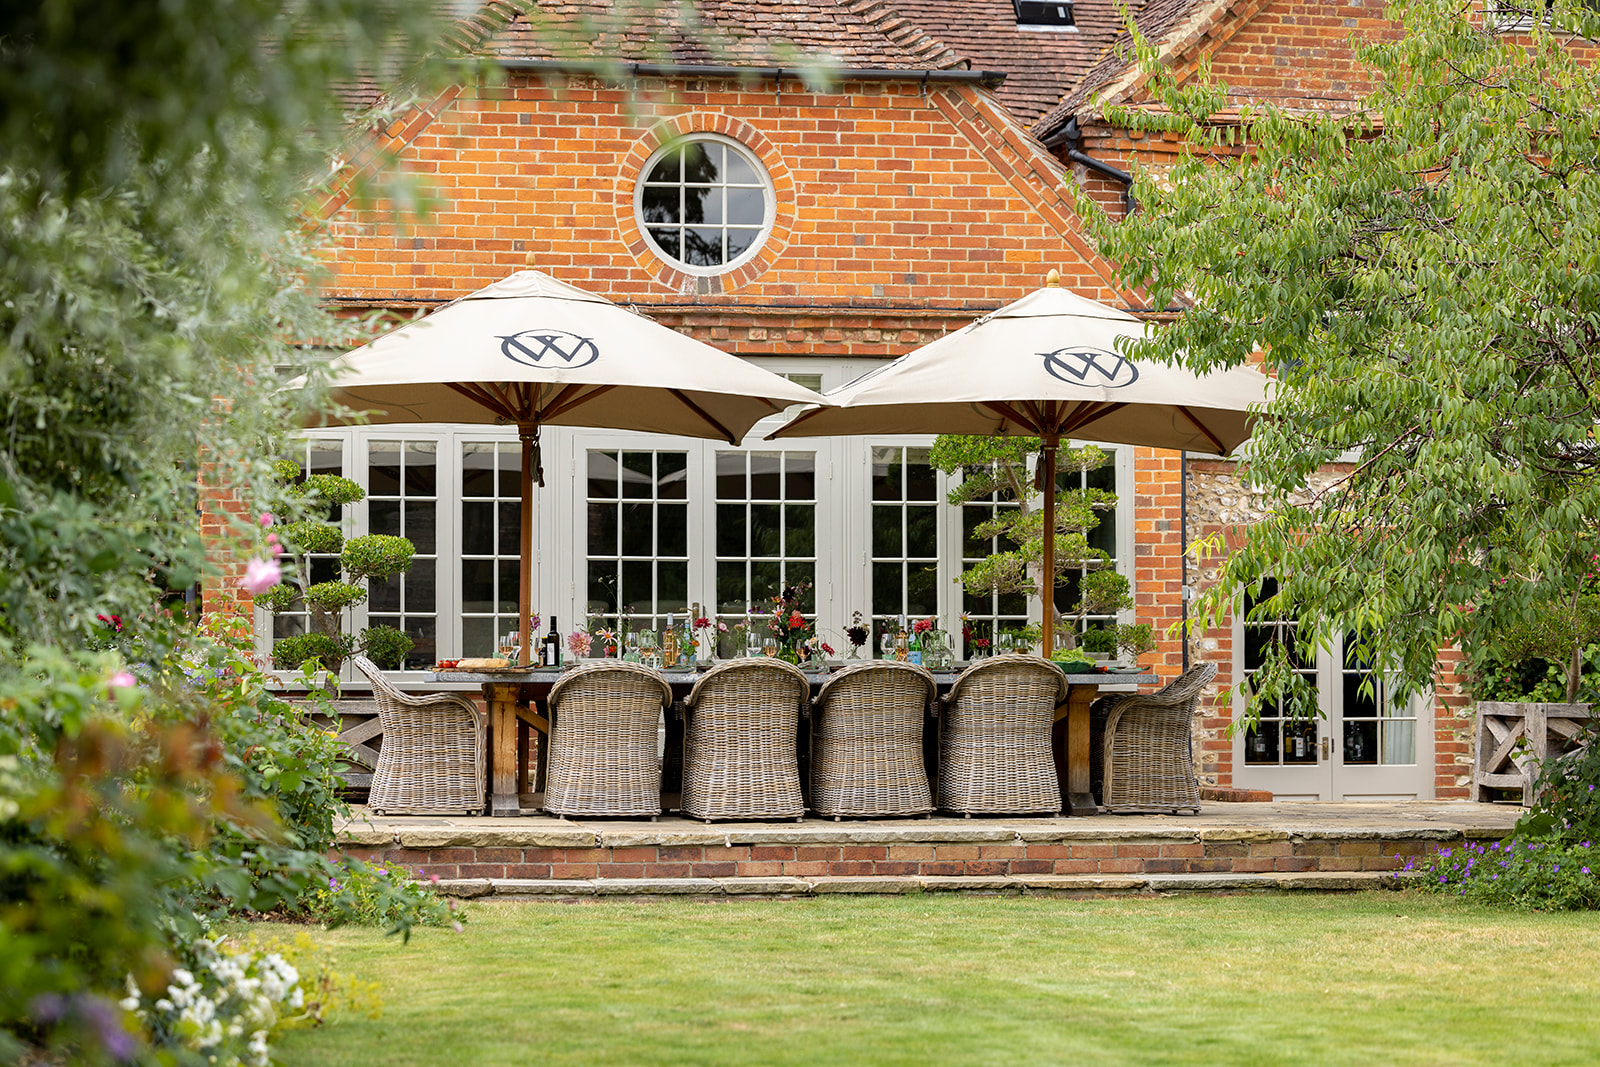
889,200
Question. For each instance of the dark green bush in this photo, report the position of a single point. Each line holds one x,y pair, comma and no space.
309,536
334,596
375,556
386,646
329,650
277,599
331,489
1099,641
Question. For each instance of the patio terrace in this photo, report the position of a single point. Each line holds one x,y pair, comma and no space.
1225,848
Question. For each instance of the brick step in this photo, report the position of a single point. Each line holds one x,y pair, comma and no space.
1009,885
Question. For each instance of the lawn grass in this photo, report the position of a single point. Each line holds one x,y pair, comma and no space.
1380,977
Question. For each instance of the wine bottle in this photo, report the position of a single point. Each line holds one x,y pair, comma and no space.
550,649
669,644
902,642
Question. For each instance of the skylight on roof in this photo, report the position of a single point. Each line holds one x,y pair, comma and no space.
1051,14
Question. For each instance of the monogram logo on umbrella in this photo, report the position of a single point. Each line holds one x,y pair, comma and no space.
541,348
1090,366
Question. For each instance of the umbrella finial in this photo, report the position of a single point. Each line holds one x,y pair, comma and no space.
532,258
1053,279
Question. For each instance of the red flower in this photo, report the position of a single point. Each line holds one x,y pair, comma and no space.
827,648
796,620
922,626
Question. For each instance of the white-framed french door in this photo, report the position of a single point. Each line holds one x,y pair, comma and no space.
1360,741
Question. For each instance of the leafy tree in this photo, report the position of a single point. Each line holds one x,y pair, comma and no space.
1424,273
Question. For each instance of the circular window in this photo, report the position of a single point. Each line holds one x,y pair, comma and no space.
705,204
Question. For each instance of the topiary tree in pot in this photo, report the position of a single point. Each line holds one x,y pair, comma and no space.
361,560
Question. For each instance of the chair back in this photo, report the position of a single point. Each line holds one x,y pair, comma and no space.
603,755
866,741
739,758
1009,682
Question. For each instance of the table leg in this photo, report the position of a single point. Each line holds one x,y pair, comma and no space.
1080,796
502,703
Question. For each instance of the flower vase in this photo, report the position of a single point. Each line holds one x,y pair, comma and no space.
704,648
854,653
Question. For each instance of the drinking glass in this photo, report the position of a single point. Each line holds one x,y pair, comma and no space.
752,643
886,642
769,645
649,651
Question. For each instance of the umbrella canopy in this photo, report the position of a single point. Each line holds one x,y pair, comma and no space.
532,351
1045,366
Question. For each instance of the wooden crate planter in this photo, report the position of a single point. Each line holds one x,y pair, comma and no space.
1513,739
359,729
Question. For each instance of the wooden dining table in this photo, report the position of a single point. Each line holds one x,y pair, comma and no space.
518,720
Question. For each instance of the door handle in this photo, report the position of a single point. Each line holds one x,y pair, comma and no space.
1327,747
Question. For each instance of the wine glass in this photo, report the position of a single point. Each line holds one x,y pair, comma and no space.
649,651
769,644
886,642
752,643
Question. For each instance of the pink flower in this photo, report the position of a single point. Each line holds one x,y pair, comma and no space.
260,575
267,519
922,626
122,680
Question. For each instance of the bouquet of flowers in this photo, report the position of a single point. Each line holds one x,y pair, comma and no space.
857,633
793,630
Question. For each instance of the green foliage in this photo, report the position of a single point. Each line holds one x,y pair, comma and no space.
1135,639
1100,641
327,650
375,556
387,646
334,596
330,489
1566,807
998,468
1538,874
278,599
382,895
308,536
103,815
1424,273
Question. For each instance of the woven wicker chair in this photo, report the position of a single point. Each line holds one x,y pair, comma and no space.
1147,743
994,738
739,745
603,724
433,753
866,741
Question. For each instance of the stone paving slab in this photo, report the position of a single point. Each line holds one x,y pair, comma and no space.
621,888
1256,822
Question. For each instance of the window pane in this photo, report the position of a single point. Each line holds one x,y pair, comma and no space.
672,532
730,530
477,527
766,482
800,530
800,476
638,476
602,475
669,242
477,585
765,531
421,529
510,588
638,530
602,530
383,468
672,475
510,463
730,475
477,469
746,207
886,539
421,469
510,529
383,517
702,247
660,203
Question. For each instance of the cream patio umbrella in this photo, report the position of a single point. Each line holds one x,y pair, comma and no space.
531,351
1045,366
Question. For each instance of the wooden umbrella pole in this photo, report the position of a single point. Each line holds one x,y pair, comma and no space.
1047,583
529,434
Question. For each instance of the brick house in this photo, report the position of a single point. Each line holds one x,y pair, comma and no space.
857,216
